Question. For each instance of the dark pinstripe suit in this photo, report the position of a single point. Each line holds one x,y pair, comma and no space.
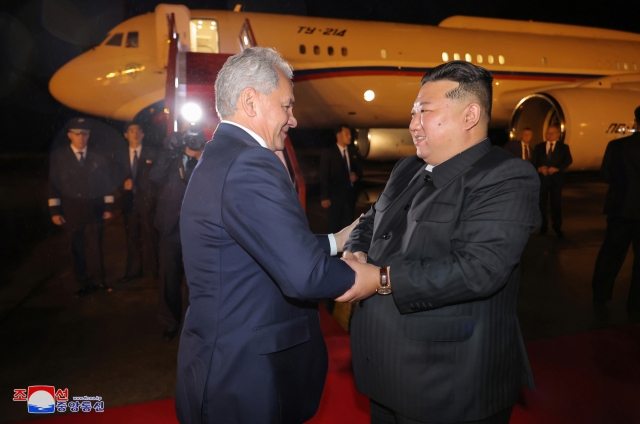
446,345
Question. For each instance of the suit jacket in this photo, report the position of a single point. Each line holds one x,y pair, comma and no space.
446,346
621,169
334,177
515,148
251,349
80,193
143,196
560,158
171,172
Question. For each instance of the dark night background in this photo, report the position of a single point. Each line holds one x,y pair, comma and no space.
39,36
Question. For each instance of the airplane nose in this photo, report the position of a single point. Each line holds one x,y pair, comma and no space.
64,84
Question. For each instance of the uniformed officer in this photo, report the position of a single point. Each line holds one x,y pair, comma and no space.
80,199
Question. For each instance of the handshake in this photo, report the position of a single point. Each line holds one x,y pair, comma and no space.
367,275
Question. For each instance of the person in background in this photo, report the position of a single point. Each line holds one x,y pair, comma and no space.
621,170
181,153
551,158
138,194
339,171
521,148
80,200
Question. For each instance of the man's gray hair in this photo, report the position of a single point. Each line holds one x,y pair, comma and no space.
254,68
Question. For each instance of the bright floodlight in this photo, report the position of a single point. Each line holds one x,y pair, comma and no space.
191,112
369,95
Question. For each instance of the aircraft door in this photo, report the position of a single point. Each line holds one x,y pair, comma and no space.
183,17
204,36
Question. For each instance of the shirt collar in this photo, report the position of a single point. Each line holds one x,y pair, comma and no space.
451,168
342,149
137,149
76,151
255,136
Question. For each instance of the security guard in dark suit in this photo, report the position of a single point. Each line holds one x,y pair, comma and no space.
80,199
551,158
621,169
339,171
138,204
181,153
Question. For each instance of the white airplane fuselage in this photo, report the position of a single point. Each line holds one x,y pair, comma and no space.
585,79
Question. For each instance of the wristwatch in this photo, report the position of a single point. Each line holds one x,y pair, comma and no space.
384,288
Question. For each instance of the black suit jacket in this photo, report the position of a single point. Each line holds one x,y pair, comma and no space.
621,169
515,148
172,176
79,193
560,158
446,346
251,349
143,198
334,177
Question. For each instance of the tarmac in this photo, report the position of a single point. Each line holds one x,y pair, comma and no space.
110,344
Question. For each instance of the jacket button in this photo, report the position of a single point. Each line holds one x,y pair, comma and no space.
406,208
427,178
386,236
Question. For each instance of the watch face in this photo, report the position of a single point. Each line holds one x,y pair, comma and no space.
383,290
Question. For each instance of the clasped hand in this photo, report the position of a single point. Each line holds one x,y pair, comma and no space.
367,277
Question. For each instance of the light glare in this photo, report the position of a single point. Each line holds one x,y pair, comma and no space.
369,95
191,112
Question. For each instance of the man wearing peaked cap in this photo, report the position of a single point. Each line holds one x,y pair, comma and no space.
80,199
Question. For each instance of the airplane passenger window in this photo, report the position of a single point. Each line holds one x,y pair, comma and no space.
132,39
479,58
316,50
330,50
635,67
303,49
115,40
456,56
344,51
445,56
490,59
626,66
383,53
617,65
467,57
501,60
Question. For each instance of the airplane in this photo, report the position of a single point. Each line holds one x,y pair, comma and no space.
367,74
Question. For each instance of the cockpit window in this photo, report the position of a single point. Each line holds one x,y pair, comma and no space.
132,39
115,40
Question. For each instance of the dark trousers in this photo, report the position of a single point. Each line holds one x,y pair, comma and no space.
620,234
86,248
550,192
171,273
340,213
142,244
380,414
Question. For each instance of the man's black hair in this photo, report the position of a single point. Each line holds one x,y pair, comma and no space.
338,128
636,113
474,81
130,123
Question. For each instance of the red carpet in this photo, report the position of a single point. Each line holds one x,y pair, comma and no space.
589,378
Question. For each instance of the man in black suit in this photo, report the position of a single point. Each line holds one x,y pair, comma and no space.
339,171
621,169
447,231
521,148
80,199
551,158
138,204
181,153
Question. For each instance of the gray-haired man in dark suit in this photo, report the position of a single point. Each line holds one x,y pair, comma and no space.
448,230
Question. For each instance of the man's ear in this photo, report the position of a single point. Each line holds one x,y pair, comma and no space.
472,116
248,101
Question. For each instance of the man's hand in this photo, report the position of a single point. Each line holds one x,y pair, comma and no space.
552,170
325,203
58,219
543,170
367,281
353,177
358,256
128,184
107,215
343,235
